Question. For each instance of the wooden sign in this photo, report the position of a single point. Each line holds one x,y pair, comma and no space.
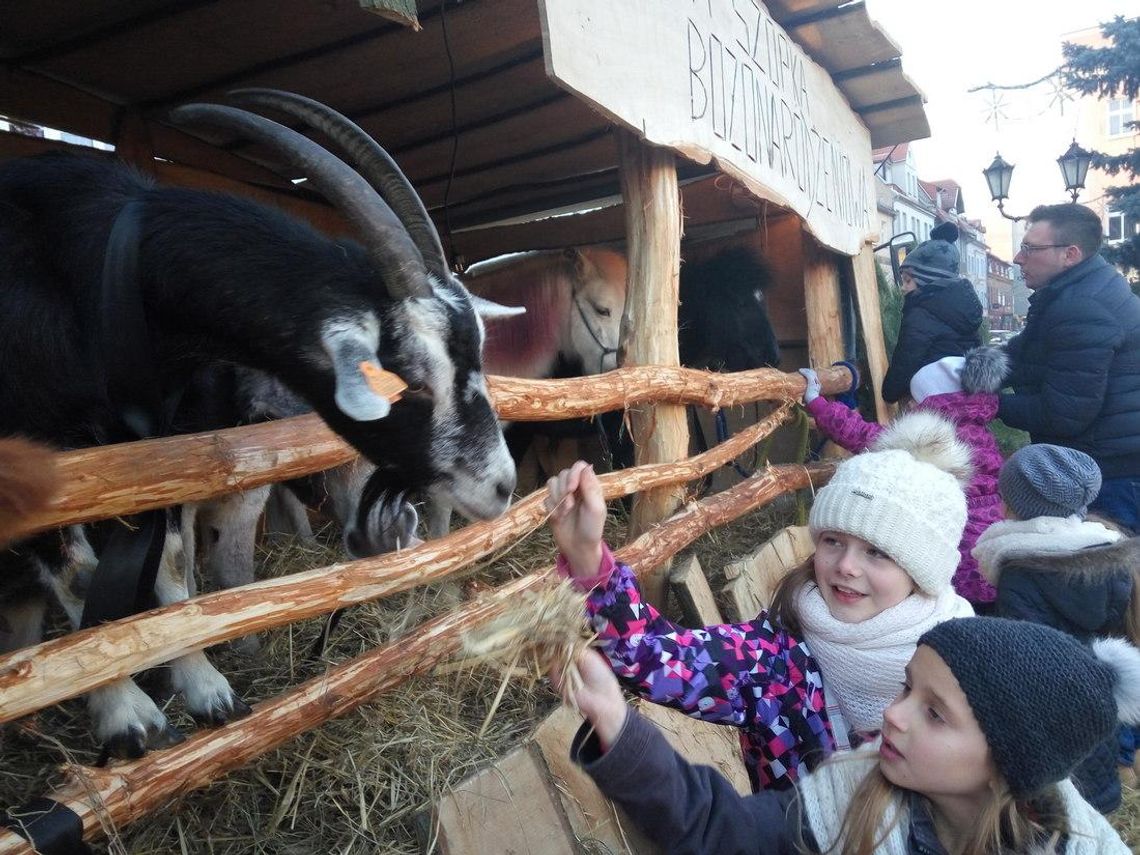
719,79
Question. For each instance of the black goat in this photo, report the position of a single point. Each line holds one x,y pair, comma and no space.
218,277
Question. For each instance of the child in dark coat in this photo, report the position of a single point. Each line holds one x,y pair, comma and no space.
964,392
1053,566
972,758
941,313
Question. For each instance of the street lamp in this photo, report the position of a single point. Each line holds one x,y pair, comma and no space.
1074,165
998,175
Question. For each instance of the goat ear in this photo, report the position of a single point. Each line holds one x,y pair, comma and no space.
353,353
489,310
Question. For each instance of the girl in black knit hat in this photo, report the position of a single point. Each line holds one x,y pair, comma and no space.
941,313
974,757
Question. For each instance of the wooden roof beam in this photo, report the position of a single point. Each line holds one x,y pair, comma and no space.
797,21
909,101
226,81
92,36
867,70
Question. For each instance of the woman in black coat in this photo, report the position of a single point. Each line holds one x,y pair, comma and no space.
941,313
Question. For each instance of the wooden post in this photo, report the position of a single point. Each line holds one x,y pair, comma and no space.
821,300
871,322
118,480
823,304
649,324
133,142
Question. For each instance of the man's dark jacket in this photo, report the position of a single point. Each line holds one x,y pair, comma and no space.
939,319
1076,368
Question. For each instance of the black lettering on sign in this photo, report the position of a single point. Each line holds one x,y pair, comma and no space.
716,88
750,87
698,93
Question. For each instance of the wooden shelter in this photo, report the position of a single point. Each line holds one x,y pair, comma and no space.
655,121
760,120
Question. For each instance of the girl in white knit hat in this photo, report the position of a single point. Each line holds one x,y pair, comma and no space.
886,530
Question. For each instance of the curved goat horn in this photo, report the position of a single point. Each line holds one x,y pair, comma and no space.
388,243
366,156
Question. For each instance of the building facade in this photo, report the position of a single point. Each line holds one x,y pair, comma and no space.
1103,126
999,294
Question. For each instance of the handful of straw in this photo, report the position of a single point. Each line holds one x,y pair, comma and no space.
544,632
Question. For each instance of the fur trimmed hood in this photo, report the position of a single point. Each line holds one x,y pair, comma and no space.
984,370
1079,549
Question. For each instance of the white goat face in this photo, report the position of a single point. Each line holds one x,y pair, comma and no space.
471,467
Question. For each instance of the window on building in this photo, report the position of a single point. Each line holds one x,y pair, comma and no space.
1115,230
1118,226
1119,115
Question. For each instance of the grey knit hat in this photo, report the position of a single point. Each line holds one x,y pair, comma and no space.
1049,481
936,258
1043,700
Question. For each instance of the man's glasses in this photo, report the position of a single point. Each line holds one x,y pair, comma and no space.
1034,247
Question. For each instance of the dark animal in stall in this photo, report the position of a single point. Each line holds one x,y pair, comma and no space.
219,277
723,322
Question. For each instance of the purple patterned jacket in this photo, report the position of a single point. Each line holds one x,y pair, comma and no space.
970,415
752,675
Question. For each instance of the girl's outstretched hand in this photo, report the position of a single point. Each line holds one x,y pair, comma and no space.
577,516
598,697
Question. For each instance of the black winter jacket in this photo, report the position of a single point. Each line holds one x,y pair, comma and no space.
1076,368
1086,593
939,319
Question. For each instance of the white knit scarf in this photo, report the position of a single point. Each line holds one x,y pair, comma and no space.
862,663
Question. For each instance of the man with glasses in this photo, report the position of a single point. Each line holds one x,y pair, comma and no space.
1076,365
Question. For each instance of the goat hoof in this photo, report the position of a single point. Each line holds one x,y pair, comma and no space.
134,742
224,712
164,738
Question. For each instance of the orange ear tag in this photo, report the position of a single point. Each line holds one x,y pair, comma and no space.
383,382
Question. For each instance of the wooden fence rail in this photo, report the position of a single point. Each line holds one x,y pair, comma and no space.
35,677
120,480
109,799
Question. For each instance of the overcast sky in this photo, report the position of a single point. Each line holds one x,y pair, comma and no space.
949,48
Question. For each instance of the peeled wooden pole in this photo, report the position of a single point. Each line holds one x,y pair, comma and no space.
120,480
649,324
111,798
862,269
48,673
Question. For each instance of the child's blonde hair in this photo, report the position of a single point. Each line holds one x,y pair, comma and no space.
1006,825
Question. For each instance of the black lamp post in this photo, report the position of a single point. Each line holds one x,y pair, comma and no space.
1074,165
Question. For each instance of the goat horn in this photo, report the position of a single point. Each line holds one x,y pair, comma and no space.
368,157
387,240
